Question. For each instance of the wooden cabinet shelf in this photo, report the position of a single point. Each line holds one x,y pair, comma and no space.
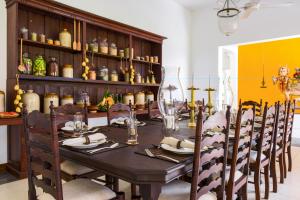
144,62
105,55
78,80
48,46
11,121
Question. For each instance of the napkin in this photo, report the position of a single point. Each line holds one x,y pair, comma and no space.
173,143
93,138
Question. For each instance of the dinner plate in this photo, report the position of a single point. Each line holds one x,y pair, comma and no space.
67,128
81,145
177,151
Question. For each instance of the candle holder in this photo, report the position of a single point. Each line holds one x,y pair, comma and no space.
209,104
192,106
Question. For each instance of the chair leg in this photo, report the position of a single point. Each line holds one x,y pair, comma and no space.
257,184
267,181
281,166
289,151
134,193
273,174
244,192
284,164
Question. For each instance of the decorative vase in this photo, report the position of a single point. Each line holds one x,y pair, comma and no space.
170,98
31,100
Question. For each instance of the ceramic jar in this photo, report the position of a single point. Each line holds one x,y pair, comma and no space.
138,78
93,46
121,53
42,38
114,76
47,102
24,33
65,38
49,41
140,100
67,71
155,59
34,36
149,96
102,73
104,46
113,50
52,68
127,98
31,100
2,101
67,99
92,75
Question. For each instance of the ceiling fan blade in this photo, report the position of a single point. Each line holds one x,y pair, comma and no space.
288,4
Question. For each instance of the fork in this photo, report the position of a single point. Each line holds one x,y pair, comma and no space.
99,149
150,154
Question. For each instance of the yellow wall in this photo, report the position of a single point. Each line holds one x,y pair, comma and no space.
273,55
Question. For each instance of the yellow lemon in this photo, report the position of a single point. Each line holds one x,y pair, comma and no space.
16,87
16,102
18,97
87,68
18,110
20,91
83,64
86,60
20,105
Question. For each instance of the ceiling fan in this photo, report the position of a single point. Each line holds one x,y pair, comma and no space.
255,5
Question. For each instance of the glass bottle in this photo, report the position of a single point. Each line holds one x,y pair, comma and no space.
52,68
132,129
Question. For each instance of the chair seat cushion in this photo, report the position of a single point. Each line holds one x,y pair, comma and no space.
253,156
180,190
238,174
83,189
73,168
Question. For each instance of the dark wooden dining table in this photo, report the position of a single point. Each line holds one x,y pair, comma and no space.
124,163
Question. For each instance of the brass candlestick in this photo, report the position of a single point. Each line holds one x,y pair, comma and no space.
209,104
192,106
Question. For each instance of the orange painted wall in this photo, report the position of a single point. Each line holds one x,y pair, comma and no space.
250,69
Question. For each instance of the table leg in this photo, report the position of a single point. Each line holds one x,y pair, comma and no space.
150,191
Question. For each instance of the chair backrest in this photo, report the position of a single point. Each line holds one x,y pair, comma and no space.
153,109
42,149
209,166
290,113
249,104
241,149
117,111
265,140
69,110
279,130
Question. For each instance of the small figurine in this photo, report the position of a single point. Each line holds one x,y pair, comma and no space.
282,79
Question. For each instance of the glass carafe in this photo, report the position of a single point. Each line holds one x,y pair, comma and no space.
170,98
132,129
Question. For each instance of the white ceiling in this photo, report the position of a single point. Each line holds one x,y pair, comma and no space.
196,4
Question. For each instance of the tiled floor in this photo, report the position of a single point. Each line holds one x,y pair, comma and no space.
290,190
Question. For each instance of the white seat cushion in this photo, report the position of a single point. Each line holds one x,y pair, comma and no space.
73,168
180,190
238,174
82,189
253,156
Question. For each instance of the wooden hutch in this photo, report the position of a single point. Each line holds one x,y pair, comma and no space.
49,18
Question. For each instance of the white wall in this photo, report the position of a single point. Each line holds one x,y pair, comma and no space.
3,135
206,37
164,17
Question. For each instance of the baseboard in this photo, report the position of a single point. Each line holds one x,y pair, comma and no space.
2,168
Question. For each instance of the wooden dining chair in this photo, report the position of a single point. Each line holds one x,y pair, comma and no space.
261,157
71,170
43,162
249,104
278,144
117,111
153,110
290,113
209,166
238,171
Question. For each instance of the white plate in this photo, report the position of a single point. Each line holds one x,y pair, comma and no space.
67,128
80,145
175,150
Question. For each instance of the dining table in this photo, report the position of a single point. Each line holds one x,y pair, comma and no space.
150,174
